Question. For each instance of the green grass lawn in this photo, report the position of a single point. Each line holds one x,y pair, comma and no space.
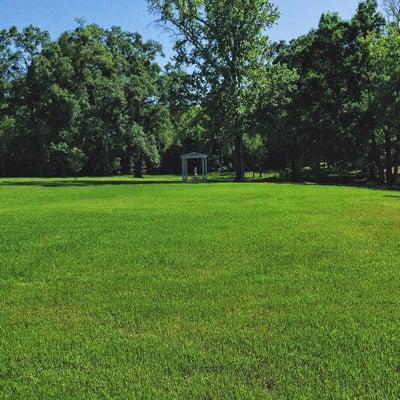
114,290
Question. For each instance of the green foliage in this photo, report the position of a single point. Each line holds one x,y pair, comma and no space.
321,106
7,128
327,121
92,89
225,43
384,52
392,9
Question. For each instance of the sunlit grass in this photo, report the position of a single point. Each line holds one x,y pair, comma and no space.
113,290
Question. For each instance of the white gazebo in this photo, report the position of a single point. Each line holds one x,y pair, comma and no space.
194,156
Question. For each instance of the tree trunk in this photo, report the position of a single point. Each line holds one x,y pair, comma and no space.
396,160
377,159
388,159
317,169
126,164
3,166
239,175
36,147
372,172
138,169
295,170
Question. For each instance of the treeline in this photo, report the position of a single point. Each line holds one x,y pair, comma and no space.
91,100
343,115
325,106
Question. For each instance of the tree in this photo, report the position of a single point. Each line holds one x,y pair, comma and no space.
392,10
76,158
367,20
276,120
18,49
329,119
92,89
7,129
324,105
147,127
384,53
224,42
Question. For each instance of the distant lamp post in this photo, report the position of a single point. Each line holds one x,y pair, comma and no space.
194,156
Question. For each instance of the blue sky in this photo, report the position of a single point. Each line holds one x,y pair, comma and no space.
297,16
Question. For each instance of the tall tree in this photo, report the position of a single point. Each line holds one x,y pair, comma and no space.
392,10
330,113
224,42
385,82
98,91
18,49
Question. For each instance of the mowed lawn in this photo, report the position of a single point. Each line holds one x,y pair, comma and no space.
115,290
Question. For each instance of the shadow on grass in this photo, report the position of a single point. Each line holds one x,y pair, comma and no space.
104,182
83,183
53,182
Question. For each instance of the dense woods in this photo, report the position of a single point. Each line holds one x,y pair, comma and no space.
324,106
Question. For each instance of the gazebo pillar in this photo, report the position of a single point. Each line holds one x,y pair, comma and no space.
184,170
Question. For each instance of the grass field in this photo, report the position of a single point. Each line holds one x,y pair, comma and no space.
114,290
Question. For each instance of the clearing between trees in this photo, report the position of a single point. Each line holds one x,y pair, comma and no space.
228,291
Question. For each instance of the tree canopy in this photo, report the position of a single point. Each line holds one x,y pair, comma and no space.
92,89
95,101
225,43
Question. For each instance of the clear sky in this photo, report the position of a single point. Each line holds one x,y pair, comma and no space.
297,16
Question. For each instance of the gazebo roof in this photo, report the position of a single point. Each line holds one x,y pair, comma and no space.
194,155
